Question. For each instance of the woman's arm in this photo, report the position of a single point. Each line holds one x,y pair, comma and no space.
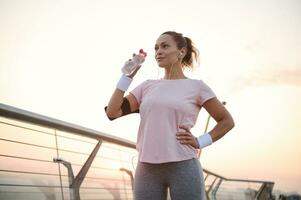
224,124
221,115
118,105
114,108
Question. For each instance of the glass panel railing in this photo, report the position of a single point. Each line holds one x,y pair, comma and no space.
29,142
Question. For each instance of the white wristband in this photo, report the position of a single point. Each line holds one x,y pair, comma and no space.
204,140
124,83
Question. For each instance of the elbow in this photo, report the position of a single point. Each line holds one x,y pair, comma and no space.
228,123
231,123
111,115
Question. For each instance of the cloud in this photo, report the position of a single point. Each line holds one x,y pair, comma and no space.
281,77
289,77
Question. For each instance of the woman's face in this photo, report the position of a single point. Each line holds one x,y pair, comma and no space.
166,51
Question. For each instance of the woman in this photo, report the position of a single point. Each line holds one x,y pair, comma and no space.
168,109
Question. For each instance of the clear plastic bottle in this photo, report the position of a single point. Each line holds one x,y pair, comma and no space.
132,64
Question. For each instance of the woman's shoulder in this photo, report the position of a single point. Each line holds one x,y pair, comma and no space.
148,81
145,83
200,84
197,82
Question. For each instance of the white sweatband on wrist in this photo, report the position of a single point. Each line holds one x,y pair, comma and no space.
204,140
124,83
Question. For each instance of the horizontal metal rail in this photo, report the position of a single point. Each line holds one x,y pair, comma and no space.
236,180
37,119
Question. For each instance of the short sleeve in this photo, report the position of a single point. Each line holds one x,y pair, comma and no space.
206,93
138,92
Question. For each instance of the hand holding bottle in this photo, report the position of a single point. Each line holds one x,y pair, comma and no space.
129,70
130,67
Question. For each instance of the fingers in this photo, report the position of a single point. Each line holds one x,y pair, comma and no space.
133,56
134,72
179,137
184,128
186,138
187,141
183,135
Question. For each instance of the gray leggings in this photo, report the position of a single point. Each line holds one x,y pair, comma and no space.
184,180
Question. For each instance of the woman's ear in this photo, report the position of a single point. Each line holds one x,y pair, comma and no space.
183,52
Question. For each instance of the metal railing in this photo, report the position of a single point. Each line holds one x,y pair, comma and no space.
220,187
45,158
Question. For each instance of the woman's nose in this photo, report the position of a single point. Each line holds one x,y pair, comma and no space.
159,52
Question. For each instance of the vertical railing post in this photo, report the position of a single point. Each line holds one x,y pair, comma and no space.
214,191
75,183
211,186
59,167
265,191
130,173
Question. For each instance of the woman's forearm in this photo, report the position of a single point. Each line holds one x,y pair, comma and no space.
113,109
221,128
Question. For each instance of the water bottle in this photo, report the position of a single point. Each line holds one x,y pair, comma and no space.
132,64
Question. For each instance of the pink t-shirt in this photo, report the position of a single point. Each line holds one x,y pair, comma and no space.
164,105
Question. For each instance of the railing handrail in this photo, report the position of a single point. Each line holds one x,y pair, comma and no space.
236,180
37,119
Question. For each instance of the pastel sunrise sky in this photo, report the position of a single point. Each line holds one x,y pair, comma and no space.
63,58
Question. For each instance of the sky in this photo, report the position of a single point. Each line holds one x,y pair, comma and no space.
63,59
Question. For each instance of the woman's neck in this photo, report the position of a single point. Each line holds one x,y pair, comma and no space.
174,72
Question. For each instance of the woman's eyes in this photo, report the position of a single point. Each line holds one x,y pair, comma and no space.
164,46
